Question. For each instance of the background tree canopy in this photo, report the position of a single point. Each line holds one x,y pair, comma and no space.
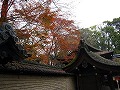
105,36
48,36
44,32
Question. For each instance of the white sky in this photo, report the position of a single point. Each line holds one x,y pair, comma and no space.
87,13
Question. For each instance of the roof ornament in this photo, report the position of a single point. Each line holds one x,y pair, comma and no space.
84,64
10,50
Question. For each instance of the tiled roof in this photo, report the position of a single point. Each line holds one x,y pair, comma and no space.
102,60
25,68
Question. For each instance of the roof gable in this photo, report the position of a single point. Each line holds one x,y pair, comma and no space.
99,59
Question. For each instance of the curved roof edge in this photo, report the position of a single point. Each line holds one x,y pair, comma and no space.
102,63
92,58
75,62
92,48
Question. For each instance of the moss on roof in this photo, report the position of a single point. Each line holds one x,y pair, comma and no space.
72,61
25,67
102,60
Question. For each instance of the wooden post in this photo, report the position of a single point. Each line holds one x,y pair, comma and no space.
111,83
77,82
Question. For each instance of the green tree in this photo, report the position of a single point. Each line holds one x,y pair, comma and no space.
114,33
105,36
92,36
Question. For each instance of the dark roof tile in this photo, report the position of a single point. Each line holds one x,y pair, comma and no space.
32,68
102,60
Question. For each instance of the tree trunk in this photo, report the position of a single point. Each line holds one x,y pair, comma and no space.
4,11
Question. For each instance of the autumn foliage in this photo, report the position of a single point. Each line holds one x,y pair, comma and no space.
44,33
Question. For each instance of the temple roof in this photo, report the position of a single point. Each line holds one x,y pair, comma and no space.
98,58
12,57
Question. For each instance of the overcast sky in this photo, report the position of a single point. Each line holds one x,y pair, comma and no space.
87,13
